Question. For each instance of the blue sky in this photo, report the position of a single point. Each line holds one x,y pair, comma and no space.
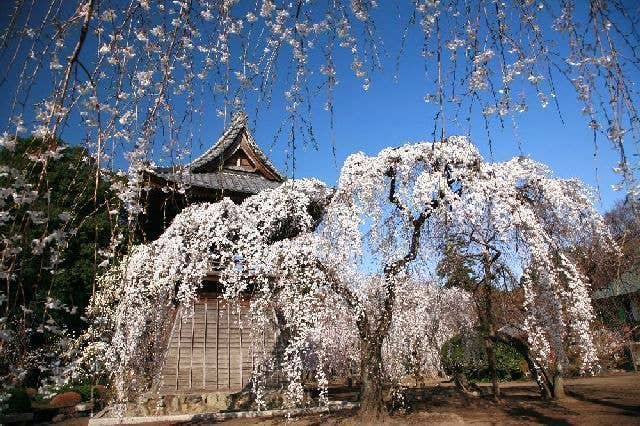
393,112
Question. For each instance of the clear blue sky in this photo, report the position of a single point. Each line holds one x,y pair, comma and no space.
394,112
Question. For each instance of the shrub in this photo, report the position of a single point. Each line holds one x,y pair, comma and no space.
466,354
84,389
18,402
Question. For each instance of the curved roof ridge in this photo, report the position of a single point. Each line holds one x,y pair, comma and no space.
239,122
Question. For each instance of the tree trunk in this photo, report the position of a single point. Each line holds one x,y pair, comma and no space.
489,324
491,358
372,404
558,384
463,386
558,387
283,337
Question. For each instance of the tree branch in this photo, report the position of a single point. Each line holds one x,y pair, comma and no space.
336,284
393,197
73,59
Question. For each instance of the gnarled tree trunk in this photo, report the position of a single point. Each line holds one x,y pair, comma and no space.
371,376
558,383
485,316
488,325
493,365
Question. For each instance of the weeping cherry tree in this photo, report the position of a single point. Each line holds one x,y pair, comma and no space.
314,254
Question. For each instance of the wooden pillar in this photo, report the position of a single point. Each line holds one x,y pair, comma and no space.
204,350
241,348
193,335
228,345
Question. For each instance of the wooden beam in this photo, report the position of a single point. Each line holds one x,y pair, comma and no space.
262,168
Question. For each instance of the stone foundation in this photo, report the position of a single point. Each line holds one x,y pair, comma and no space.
206,402
102,418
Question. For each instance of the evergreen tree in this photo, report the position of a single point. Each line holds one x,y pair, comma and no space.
56,221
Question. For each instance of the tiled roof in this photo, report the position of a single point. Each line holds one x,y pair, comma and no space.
206,170
247,183
226,141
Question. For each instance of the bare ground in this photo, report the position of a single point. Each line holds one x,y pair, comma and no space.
610,400
606,400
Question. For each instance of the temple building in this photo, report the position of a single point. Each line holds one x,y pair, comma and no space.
234,167
210,350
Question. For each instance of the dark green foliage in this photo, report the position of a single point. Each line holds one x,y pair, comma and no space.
18,402
48,296
70,182
466,354
455,267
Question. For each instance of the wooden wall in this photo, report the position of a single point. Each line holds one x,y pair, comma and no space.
213,349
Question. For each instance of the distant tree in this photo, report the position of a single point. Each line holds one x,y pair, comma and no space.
605,267
51,257
624,221
455,268
601,264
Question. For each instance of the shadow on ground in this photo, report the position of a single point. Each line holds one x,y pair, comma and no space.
610,400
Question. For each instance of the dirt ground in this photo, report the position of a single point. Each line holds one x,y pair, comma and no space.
613,399
610,400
